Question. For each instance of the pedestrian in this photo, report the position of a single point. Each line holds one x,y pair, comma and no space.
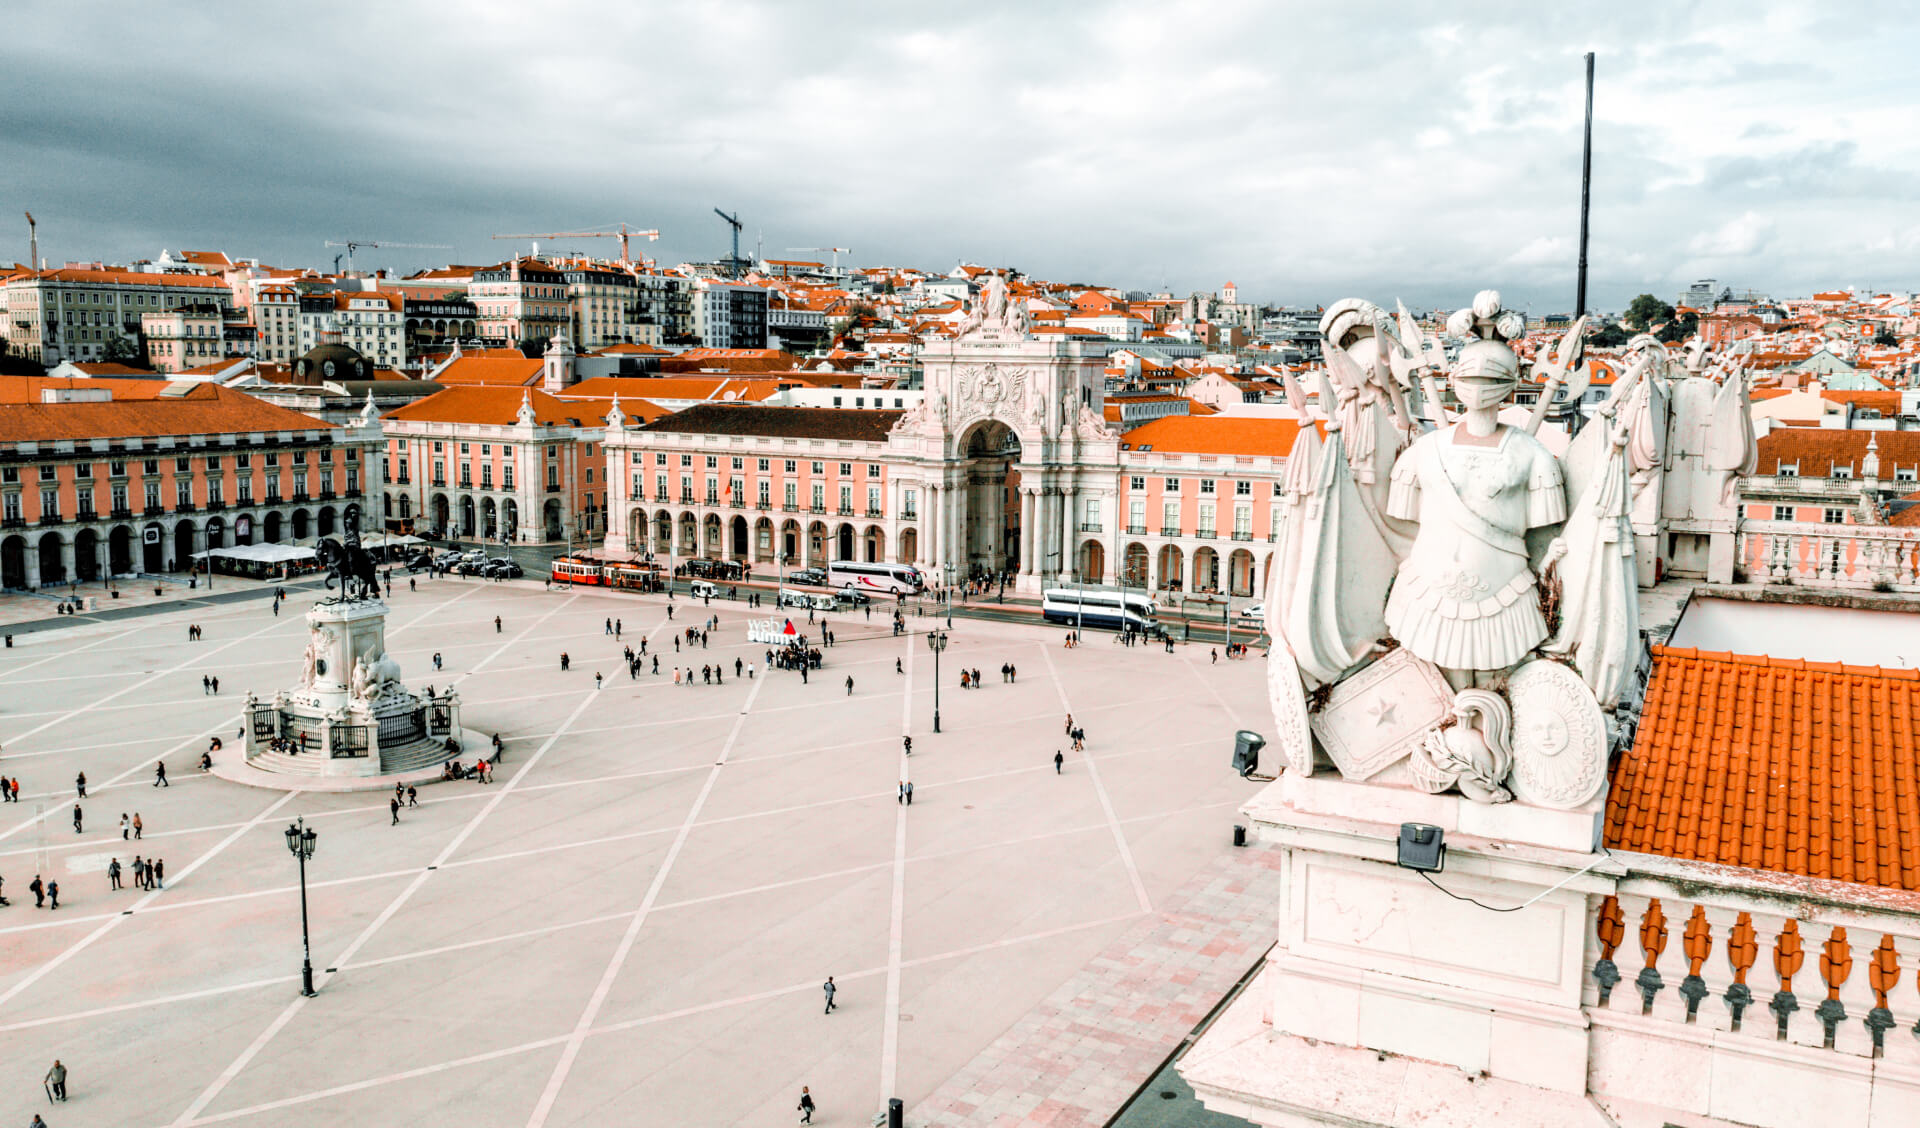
39,1123
39,891
902,797
1215,655
906,746
616,628
57,1079
412,584
139,873
738,665
909,793
1069,728
656,663
609,627
599,681
76,818
413,796
276,607
749,671
1013,673
160,774
158,867
496,624
849,685
206,684
124,826
394,806
399,789
80,784
216,686
827,987
676,644
136,825
566,663
436,659
53,895
1058,760
805,1106
113,872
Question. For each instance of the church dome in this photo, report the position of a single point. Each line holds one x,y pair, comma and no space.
331,362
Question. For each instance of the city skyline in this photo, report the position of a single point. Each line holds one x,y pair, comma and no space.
1411,158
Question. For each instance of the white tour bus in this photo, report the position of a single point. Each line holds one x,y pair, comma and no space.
1097,607
871,578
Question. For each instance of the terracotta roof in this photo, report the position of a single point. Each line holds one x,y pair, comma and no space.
500,407
110,368
678,387
131,278
498,371
202,409
780,422
730,360
1885,402
27,389
1818,448
1806,768
629,348
1214,434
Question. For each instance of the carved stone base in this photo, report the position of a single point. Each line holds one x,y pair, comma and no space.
1293,796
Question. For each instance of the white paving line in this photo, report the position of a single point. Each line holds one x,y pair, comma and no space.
571,1051
896,920
637,1023
1100,789
108,925
24,667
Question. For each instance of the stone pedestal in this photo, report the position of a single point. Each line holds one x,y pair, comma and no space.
1375,957
350,715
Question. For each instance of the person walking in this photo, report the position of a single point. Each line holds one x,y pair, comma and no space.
53,895
599,681
805,1106
56,1080
901,799
80,784
39,890
496,624
616,628
76,818
1058,760
136,825
566,663
37,1122
849,685
113,872
826,987
160,774
897,668
206,684
906,746
413,796
394,806
1215,654
139,873
909,793
608,629
216,686
158,867
125,827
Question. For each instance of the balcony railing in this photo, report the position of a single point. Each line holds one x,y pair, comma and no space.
1169,530
763,505
1242,535
300,495
84,513
50,518
121,513
845,511
874,511
816,509
185,507
273,499
154,510
1136,530
553,487
13,522
1206,532
215,506
327,495
1091,527
1812,554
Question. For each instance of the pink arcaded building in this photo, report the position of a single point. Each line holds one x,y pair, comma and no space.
1833,508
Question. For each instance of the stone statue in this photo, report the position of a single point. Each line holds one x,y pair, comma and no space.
362,678
995,296
312,661
1474,752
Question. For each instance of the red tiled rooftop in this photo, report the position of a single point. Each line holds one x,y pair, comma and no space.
1803,768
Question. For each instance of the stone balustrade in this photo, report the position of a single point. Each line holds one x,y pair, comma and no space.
1756,965
1832,556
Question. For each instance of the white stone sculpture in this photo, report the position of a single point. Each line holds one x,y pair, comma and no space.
1474,752
362,678
1559,736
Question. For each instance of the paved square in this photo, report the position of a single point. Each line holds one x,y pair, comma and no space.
632,924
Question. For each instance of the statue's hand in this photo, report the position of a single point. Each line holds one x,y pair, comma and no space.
1556,548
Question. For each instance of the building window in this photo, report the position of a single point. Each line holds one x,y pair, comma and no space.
763,466
1171,485
873,470
908,503
49,503
1206,518
819,468
1243,522
713,489
819,497
766,496
660,458
183,492
686,460
660,487
1787,470
791,466
1783,513
1841,471
1835,516
873,500
1137,482
1243,489
713,462
1206,485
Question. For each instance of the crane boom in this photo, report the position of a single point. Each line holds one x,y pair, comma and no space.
354,244
734,221
625,233
835,251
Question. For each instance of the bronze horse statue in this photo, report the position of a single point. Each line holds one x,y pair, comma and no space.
349,563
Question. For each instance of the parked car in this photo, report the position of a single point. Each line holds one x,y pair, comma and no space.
502,568
848,597
702,589
814,576
447,558
419,561
1254,611
794,599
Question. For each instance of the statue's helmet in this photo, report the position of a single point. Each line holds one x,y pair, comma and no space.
1346,319
1485,374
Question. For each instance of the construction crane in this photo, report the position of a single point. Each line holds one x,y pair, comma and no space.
836,251
624,234
354,244
734,222
33,243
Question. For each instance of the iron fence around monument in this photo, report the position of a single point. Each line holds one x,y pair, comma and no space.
349,742
401,728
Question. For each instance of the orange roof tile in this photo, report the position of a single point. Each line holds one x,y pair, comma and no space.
500,407
1797,767
132,278
203,409
512,370
1816,449
1214,434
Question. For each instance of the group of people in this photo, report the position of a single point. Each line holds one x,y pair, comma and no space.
970,679
795,655
148,874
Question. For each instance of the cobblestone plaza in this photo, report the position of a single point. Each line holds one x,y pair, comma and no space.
631,925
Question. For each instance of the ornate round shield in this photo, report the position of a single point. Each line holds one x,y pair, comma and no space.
1295,735
1559,736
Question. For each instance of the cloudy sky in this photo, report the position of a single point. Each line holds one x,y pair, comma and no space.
1305,151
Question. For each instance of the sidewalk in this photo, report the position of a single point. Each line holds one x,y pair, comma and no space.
1076,1059
26,612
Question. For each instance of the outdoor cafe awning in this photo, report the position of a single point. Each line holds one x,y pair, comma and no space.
260,553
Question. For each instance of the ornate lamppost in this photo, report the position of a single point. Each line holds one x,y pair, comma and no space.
936,642
300,840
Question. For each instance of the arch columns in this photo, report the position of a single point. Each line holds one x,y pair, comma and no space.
1067,497
1029,528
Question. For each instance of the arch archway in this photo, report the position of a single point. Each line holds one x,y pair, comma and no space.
689,534
816,544
120,551
662,531
1093,562
1172,577
843,542
710,538
551,520
442,515
468,521
1133,572
1240,572
763,539
328,520
738,531
490,519
790,540
1206,570
909,546
510,520
216,532
270,529
13,562
52,569
988,537
302,524
183,545
153,549
873,545
86,556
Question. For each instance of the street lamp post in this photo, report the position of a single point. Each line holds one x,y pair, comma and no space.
300,840
936,642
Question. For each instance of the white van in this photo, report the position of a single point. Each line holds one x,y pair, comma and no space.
702,589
